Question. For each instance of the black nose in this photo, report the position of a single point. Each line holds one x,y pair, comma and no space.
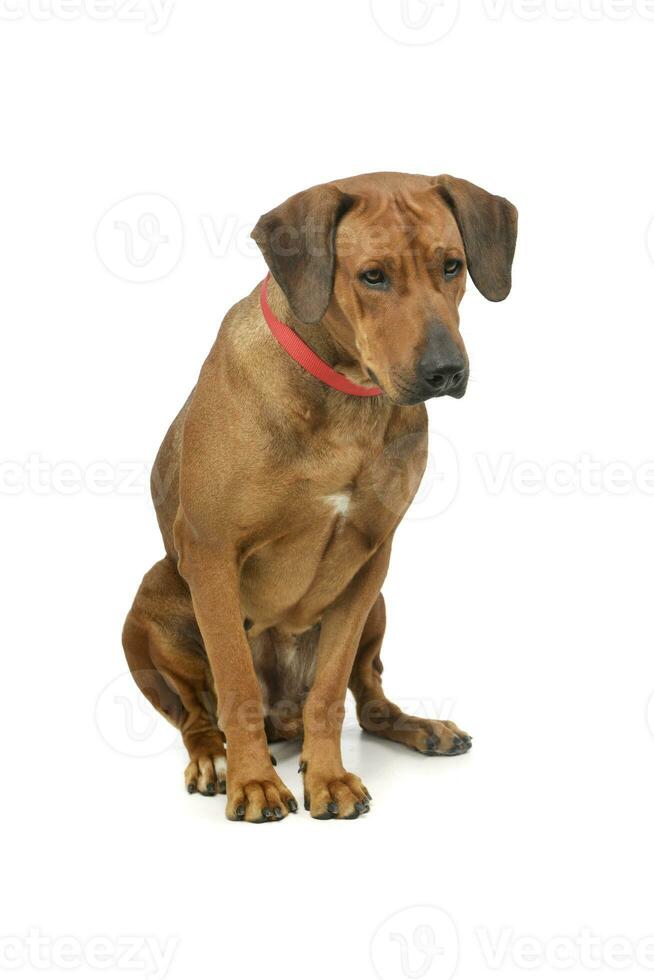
442,368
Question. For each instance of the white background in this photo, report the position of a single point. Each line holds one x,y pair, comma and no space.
522,609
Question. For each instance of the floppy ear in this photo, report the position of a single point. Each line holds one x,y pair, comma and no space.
297,242
488,226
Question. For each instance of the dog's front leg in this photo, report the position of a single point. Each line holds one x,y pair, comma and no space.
254,790
329,790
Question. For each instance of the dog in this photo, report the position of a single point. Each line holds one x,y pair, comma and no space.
279,486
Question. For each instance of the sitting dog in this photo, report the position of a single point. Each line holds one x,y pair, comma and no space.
280,484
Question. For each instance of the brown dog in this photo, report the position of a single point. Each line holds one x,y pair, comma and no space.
278,496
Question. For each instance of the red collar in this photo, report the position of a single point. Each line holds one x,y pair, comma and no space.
307,358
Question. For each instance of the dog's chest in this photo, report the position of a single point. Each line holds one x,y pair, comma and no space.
324,531
291,579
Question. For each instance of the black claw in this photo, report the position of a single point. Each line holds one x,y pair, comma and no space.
267,812
303,766
277,811
307,804
360,807
432,741
457,742
332,807
222,786
211,789
247,623
273,759
240,811
192,787
292,805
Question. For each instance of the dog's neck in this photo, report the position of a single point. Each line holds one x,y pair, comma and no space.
319,337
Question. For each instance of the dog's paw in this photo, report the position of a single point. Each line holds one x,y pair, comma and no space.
437,737
333,795
264,799
206,774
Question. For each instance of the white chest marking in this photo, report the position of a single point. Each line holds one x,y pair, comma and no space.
339,502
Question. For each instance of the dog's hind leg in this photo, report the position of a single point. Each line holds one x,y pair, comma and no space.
165,653
379,716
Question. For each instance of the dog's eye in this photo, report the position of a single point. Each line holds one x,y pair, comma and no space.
452,267
374,277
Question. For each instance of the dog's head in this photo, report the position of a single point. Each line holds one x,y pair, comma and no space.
380,261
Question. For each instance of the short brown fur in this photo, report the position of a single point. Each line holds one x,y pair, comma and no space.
278,497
